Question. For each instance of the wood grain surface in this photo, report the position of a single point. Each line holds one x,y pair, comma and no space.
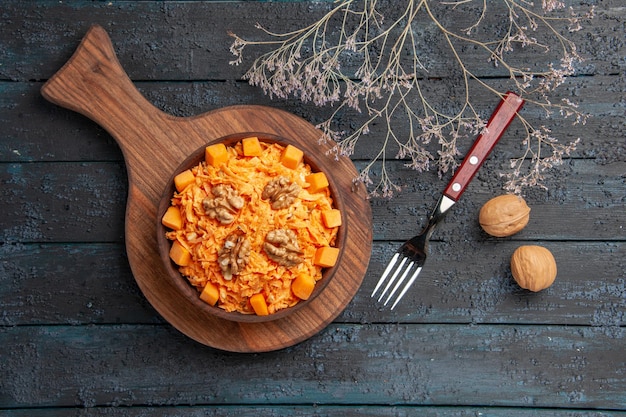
79,338
154,144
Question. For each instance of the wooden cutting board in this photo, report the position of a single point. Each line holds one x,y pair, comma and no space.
154,143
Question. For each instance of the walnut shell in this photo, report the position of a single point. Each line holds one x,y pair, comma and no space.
504,215
533,267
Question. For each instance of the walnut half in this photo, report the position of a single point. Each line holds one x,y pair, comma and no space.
281,192
234,255
224,204
281,246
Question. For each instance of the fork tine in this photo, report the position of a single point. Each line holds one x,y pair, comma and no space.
407,286
390,265
400,281
392,279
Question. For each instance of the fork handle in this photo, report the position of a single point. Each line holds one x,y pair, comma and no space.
499,121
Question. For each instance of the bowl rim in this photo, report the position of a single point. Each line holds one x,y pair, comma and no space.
181,283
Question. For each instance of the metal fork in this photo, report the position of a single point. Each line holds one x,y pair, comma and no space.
411,256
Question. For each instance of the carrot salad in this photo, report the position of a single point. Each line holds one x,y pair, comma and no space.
240,182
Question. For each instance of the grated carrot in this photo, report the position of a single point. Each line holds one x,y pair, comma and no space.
203,237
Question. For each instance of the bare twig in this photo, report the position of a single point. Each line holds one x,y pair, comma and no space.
307,64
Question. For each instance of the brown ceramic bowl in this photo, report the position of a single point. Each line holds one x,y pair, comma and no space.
316,162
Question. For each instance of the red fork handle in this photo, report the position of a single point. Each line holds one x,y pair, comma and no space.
499,121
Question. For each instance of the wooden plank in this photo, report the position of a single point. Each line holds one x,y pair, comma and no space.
466,281
70,284
189,40
62,135
67,202
35,130
394,364
85,202
584,202
308,410
463,282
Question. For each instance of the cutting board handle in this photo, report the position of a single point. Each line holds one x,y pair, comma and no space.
93,83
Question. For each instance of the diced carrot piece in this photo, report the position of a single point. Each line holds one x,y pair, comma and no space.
291,157
182,180
216,154
179,254
303,286
251,146
172,218
331,218
317,181
326,256
210,294
259,305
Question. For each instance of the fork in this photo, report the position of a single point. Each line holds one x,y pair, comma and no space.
410,257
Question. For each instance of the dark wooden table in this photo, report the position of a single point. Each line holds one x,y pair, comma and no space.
77,336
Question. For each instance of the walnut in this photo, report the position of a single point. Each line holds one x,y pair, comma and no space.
281,192
234,255
224,204
281,246
533,267
504,215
